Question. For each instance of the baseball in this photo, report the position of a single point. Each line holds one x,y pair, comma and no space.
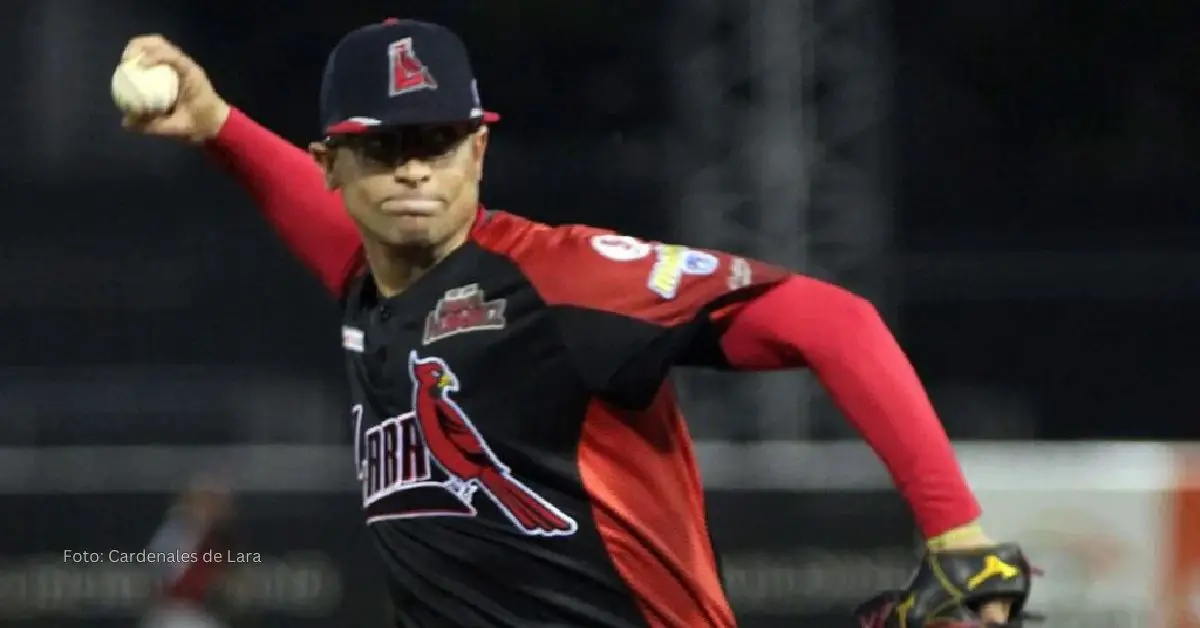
144,91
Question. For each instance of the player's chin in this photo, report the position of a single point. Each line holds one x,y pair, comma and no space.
406,232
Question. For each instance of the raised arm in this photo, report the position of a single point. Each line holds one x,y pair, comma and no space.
666,305
285,183
289,188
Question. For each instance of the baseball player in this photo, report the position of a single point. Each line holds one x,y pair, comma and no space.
523,458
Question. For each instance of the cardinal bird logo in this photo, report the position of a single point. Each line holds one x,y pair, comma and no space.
458,449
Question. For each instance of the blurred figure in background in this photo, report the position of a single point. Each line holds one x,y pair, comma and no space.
196,526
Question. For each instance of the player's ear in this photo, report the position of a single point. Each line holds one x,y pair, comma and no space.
323,155
479,143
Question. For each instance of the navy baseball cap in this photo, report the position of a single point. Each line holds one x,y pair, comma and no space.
400,72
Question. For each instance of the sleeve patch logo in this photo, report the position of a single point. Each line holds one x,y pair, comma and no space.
740,274
674,263
620,248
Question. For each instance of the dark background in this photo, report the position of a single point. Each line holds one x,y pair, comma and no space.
1035,163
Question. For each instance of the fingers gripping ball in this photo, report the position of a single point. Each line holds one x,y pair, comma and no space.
950,586
142,90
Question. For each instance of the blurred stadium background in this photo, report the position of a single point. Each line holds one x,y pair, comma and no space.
1013,183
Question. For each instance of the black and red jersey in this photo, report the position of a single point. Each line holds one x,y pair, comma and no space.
522,456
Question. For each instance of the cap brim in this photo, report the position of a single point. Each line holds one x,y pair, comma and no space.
369,125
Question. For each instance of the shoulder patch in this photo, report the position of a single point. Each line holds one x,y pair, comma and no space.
620,248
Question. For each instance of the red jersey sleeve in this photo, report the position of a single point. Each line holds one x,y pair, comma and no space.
629,309
289,189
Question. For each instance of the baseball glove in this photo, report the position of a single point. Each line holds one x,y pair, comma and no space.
949,584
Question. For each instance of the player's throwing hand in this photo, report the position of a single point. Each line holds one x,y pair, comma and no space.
199,111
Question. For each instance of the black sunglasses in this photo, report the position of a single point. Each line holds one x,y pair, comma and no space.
395,145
